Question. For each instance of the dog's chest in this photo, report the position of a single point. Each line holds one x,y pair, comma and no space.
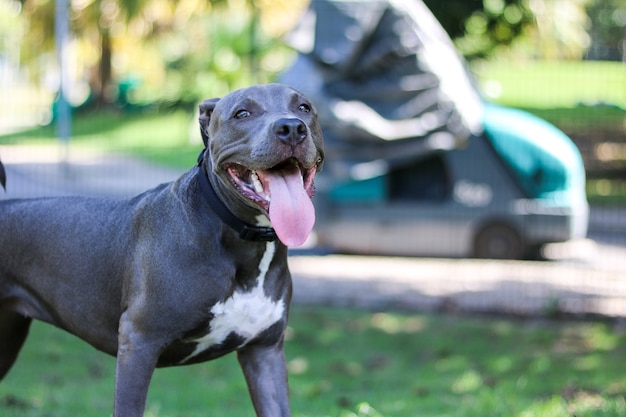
244,315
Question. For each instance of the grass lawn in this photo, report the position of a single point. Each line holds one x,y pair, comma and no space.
348,363
162,137
554,84
581,97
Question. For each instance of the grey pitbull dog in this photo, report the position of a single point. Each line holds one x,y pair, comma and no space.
183,273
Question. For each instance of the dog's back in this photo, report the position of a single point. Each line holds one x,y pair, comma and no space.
52,248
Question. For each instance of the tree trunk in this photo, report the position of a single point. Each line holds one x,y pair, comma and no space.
103,95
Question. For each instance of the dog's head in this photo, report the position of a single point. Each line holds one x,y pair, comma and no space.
265,143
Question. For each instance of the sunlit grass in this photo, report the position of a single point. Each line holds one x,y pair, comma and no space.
170,138
554,84
346,363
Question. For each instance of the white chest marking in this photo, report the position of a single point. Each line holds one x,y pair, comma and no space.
246,314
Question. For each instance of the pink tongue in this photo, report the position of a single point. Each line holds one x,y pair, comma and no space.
291,210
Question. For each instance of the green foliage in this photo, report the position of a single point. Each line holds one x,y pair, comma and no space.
538,29
350,363
479,27
177,52
225,55
11,28
608,29
180,52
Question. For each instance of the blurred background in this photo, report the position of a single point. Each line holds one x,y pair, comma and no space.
562,60
370,336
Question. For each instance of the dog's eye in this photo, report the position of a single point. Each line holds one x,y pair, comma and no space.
304,108
240,114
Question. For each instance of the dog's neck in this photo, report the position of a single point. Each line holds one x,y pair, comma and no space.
247,225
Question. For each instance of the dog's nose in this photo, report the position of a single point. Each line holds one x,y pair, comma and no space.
290,131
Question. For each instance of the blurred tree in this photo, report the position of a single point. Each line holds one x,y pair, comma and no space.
608,30
480,27
103,15
561,30
92,21
229,45
11,32
452,14
178,50
545,29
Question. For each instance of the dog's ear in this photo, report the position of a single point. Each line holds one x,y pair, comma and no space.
3,177
206,108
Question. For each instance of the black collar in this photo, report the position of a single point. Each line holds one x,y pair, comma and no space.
246,231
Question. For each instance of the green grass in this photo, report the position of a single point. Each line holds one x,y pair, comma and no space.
162,137
580,97
555,84
606,192
600,121
347,363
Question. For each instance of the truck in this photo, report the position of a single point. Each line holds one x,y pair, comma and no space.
418,163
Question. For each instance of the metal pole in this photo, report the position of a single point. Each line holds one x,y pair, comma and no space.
62,38
253,52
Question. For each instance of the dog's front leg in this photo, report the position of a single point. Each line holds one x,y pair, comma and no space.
136,360
266,374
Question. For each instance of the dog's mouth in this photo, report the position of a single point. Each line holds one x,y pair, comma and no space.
284,192
255,184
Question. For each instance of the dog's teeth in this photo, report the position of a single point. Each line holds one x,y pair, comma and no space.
258,187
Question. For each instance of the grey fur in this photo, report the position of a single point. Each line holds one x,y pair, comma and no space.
137,278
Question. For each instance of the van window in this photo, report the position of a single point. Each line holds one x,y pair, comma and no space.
426,180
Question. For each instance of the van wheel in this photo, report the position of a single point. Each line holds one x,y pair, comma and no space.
498,241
